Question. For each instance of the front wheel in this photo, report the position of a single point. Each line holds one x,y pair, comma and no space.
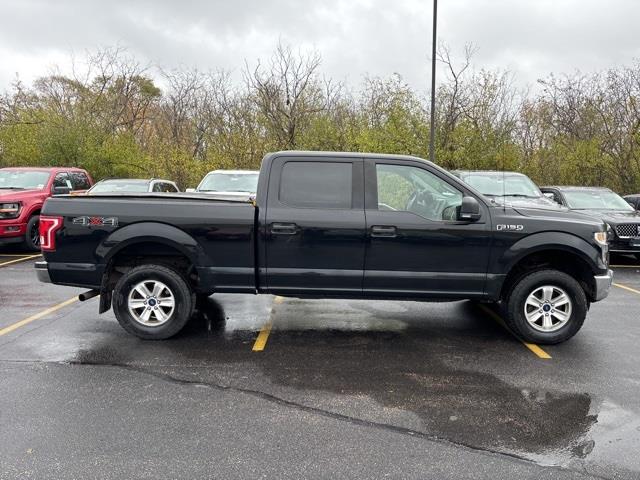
546,307
32,237
153,302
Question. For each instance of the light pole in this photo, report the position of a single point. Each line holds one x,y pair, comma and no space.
432,127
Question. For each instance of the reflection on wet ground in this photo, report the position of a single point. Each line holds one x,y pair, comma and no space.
377,362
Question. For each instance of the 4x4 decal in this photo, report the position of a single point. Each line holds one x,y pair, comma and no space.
96,221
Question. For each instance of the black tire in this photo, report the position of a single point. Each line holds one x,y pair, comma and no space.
527,284
183,295
32,237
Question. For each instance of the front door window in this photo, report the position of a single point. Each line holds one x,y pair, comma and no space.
412,189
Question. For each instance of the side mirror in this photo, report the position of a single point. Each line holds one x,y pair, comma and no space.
60,190
469,210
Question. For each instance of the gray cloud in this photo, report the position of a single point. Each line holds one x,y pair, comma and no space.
354,37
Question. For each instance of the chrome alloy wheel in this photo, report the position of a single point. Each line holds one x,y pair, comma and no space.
151,303
548,308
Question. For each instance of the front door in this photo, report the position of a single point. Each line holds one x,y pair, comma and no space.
315,228
416,246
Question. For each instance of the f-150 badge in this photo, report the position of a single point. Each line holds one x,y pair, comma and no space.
509,228
96,221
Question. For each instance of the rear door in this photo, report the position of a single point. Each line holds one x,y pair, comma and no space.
315,226
416,246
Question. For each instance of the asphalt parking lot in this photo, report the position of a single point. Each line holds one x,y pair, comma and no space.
264,387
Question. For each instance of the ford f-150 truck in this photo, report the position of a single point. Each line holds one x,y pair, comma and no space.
23,191
328,225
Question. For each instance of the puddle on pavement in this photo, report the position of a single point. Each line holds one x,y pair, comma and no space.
375,365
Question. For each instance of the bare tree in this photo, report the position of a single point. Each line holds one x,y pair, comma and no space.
288,93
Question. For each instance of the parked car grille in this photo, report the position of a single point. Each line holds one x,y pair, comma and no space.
628,230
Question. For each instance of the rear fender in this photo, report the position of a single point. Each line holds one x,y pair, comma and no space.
151,232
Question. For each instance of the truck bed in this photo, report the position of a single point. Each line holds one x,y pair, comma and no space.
216,234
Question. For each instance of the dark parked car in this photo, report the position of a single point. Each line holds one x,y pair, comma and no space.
633,200
512,188
133,185
329,225
606,205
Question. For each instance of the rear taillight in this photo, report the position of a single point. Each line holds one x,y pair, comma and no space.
48,228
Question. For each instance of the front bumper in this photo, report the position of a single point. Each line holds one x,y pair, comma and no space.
619,245
10,240
603,285
12,231
42,272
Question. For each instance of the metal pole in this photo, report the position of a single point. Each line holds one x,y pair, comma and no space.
432,127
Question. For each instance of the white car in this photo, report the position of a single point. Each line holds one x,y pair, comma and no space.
230,183
133,185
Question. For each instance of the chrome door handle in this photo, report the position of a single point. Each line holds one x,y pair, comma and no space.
283,228
383,231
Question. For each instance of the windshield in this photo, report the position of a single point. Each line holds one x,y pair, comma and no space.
498,185
120,187
23,179
596,200
229,182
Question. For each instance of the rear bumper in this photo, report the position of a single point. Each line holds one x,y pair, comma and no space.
85,275
42,272
603,285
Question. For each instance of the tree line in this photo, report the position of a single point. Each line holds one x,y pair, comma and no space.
117,117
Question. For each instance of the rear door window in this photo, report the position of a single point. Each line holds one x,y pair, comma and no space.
317,184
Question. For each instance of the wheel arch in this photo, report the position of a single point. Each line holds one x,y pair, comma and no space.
570,261
148,242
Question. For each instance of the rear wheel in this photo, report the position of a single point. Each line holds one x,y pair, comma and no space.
32,237
547,307
153,302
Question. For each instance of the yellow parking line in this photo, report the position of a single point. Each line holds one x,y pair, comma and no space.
263,336
2,264
12,254
619,285
624,266
37,316
539,352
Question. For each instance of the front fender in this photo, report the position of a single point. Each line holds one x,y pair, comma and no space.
155,232
552,240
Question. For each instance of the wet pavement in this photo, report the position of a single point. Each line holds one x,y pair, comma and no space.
342,389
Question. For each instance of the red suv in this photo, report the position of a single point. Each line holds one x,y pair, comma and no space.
23,190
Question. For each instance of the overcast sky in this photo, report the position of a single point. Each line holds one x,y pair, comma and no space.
354,37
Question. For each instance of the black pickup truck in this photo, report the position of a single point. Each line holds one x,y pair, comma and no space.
328,225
